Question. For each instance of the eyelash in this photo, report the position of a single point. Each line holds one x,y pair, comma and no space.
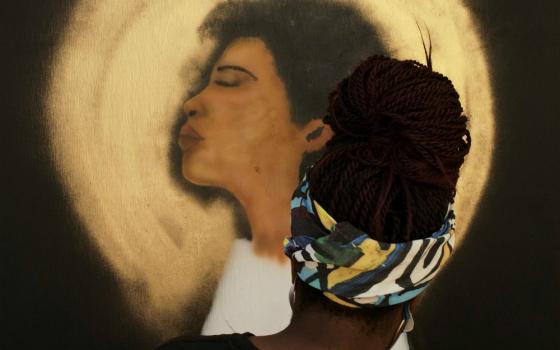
226,84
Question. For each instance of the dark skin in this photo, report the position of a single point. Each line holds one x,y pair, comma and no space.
314,328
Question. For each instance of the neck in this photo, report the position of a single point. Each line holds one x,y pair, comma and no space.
318,330
265,195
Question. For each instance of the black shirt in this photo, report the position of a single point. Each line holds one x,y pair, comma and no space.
234,341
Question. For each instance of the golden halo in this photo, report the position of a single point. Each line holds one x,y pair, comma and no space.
115,88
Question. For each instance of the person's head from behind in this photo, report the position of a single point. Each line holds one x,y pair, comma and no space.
372,223
258,107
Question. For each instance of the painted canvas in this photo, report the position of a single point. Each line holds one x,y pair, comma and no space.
173,134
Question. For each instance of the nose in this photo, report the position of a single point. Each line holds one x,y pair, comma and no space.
188,109
192,106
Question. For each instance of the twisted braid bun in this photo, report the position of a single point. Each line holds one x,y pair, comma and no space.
400,138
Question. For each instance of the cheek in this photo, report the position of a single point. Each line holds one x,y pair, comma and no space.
241,120
227,107
267,115
274,123
244,120
256,127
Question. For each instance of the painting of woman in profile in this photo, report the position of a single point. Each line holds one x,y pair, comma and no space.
189,213
255,123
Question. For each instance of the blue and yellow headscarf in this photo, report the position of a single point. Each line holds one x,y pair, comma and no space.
354,270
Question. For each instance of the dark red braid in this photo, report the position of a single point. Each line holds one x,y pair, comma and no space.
400,138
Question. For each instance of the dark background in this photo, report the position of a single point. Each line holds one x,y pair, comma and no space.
501,292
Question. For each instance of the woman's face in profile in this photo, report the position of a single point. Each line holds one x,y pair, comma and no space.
240,123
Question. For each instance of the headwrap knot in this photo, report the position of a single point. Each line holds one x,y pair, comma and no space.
353,269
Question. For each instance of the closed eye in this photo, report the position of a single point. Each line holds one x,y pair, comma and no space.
225,83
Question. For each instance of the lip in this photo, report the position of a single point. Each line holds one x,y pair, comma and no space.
188,137
189,131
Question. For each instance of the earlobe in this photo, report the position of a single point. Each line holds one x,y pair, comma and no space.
316,135
414,302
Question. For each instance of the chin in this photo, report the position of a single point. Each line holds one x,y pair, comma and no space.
195,177
198,172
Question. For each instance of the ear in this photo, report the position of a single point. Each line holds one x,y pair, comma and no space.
294,272
316,134
415,302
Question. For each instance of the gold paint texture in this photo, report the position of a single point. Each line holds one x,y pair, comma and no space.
117,82
116,87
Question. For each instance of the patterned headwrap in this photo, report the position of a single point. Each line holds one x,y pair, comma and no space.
354,270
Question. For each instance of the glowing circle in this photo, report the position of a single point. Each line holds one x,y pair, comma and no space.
117,82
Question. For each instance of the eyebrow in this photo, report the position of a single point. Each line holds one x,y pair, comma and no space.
237,68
